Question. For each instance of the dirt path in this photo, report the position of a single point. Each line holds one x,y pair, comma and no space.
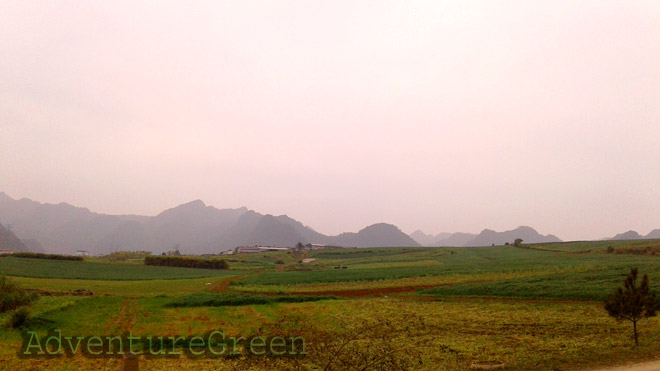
127,316
221,286
645,366
281,267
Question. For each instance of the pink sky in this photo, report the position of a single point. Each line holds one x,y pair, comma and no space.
439,115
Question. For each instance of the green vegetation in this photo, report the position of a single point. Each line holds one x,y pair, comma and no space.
136,257
90,270
594,283
13,296
32,255
234,299
476,304
633,303
387,264
18,317
186,262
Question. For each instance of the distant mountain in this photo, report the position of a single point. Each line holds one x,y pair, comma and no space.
455,239
630,235
488,237
33,245
653,234
428,239
633,235
192,227
9,241
380,234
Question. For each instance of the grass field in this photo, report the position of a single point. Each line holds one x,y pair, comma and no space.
90,270
399,308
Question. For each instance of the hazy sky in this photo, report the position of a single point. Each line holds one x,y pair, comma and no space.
438,115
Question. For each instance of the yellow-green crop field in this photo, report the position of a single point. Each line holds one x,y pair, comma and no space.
390,309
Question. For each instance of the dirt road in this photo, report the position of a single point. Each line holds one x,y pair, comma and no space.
646,366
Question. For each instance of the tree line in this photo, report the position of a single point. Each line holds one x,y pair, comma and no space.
34,255
179,261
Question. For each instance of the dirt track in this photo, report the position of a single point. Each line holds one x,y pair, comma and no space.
646,366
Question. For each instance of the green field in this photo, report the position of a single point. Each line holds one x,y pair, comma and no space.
392,308
384,265
90,270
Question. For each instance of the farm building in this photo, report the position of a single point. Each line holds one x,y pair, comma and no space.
82,253
257,249
5,252
318,246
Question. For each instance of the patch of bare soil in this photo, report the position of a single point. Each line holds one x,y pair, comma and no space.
221,286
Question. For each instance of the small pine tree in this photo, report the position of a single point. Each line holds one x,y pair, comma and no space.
632,302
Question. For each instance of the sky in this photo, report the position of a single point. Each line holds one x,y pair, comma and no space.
443,116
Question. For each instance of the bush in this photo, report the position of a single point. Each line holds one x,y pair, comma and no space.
33,255
218,300
13,296
279,261
206,299
121,256
178,261
18,317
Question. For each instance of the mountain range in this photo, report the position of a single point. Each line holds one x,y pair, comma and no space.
487,237
633,235
193,228
9,241
196,228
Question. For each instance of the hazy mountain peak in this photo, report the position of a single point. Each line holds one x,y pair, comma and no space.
488,237
194,204
629,235
9,241
653,234
375,235
380,227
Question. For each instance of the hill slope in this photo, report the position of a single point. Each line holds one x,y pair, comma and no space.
488,237
377,235
9,241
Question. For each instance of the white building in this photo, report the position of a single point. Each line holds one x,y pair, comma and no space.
258,249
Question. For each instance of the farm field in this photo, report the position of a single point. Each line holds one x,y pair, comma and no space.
536,308
91,270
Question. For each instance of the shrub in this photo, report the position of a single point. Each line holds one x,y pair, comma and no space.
633,302
13,296
179,261
218,300
18,317
206,299
279,261
120,256
33,255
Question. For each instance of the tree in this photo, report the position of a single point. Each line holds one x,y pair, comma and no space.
13,296
632,302
300,246
517,242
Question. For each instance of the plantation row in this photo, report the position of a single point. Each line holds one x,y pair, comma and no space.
32,255
178,261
